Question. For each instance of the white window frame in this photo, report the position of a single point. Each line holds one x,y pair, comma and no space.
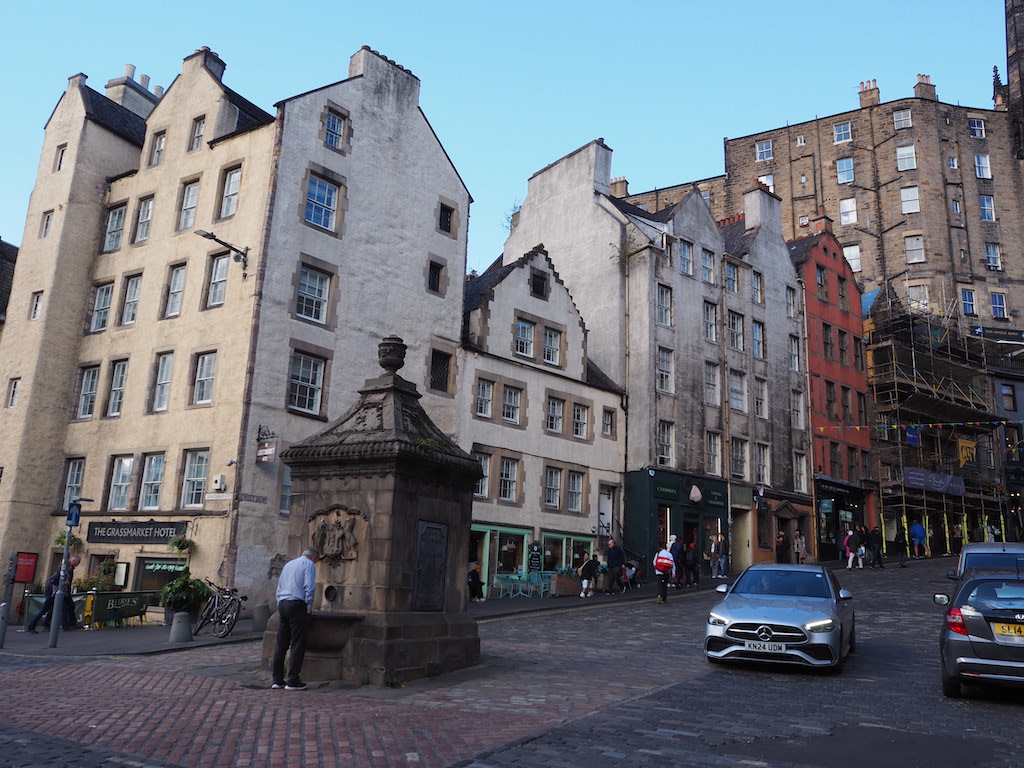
665,443
757,287
334,129
484,397
229,193
663,309
685,257
74,477
758,339
790,301
852,255
13,385
101,307
202,384
707,266
910,201
554,414
156,151
967,301
511,400
193,486
484,460
306,382
664,378
762,464
311,294
88,386
993,256
508,478
738,457
913,248
552,346
998,305
574,491
760,398
712,384
987,205
901,118
195,138
120,483
906,158
115,228
800,472
37,306
189,204
525,331
848,210
738,391
175,291
842,132
796,409
322,203
710,320
580,421
736,326
144,219
763,150
44,228
976,127
917,297
982,166
132,293
794,353
953,162
152,481
713,453
217,288
552,487
118,383
844,170
162,381
732,278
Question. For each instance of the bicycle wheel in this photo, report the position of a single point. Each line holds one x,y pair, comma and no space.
226,618
207,615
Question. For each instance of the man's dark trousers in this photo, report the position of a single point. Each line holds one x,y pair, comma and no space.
291,634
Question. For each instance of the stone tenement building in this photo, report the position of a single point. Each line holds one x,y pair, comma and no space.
160,373
923,193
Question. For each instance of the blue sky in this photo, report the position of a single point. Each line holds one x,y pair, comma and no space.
511,87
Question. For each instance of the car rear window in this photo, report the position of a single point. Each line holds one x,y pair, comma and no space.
994,594
783,583
1011,561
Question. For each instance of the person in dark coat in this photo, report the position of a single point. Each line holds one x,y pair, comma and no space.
53,585
588,575
781,547
691,564
615,560
675,546
476,585
875,545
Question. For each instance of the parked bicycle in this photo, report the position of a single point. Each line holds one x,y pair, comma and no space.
221,611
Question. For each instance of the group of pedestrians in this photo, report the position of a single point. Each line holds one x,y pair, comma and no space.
787,551
859,544
680,564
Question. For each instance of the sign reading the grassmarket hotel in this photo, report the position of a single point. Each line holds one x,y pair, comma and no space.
134,533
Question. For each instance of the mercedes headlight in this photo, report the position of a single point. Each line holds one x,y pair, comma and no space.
715,620
822,625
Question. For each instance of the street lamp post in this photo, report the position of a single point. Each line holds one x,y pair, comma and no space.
240,255
57,612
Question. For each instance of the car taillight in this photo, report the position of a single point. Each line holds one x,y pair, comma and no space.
955,621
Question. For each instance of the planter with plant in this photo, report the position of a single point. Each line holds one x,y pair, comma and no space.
185,594
565,582
180,544
75,541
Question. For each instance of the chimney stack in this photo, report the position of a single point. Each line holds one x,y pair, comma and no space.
620,187
924,88
869,96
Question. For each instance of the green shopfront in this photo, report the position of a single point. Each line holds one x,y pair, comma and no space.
662,502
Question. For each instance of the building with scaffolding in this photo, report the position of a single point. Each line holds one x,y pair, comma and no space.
936,424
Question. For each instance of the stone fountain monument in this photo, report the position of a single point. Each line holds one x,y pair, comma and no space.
386,498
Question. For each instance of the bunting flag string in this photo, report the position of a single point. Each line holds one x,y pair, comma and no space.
932,425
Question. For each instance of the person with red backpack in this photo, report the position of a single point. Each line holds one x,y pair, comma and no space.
665,568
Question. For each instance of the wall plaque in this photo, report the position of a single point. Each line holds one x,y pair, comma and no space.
431,566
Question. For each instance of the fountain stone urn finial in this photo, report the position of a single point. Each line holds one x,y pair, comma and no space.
391,354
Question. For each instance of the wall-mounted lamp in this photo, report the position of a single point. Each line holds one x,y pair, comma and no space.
238,254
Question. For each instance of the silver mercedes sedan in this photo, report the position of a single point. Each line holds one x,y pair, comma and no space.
782,614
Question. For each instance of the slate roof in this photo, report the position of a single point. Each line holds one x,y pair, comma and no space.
8,255
113,116
476,287
665,214
800,249
598,378
737,238
249,115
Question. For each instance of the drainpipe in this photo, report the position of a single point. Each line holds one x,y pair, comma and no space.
806,417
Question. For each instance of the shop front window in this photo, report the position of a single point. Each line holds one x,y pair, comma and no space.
510,551
553,552
155,572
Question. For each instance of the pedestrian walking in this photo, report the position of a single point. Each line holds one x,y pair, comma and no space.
615,561
712,554
691,565
900,543
799,548
476,584
958,538
665,568
853,547
295,590
588,574
723,556
862,531
781,547
52,587
675,546
917,538
875,545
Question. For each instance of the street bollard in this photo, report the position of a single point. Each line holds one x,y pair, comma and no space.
260,617
181,628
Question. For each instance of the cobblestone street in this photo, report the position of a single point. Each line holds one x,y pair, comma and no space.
594,685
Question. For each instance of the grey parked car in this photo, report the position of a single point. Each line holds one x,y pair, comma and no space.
782,614
982,639
1007,556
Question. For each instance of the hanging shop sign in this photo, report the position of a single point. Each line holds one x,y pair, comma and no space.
266,450
933,481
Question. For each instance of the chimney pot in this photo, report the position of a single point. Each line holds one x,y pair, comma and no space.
144,81
158,91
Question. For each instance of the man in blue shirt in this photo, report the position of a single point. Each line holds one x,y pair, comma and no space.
295,591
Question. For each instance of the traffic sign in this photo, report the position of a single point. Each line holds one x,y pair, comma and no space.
74,514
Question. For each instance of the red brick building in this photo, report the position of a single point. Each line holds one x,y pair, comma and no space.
844,491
